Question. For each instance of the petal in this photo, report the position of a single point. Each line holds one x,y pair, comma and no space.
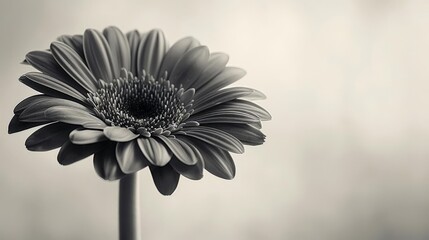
45,62
175,53
71,62
119,134
49,137
215,65
98,55
194,172
133,40
75,42
35,112
225,95
16,126
190,66
257,125
28,101
46,90
151,52
106,165
95,125
246,134
130,157
165,179
71,153
220,115
216,138
154,151
86,136
187,96
248,106
181,150
228,76
217,161
119,48
73,116
55,84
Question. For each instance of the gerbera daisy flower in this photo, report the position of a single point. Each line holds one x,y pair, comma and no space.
133,102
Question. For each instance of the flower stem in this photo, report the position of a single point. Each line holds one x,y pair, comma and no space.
129,211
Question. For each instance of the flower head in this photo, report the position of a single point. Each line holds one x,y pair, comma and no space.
133,102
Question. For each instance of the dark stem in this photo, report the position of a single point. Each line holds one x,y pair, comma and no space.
129,211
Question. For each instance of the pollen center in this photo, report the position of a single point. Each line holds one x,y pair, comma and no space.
143,105
142,108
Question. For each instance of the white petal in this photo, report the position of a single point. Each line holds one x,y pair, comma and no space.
151,52
86,136
119,134
55,84
119,47
71,115
190,66
98,55
175,53
216,138
228,76
134,40
154,151
215,65
35,111
72,63
217,161
181,150
130,157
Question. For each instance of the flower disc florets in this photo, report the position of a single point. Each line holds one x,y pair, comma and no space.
143,105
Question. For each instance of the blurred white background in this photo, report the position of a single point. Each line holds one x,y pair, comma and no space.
346,155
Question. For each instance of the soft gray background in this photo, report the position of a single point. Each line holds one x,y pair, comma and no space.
346,156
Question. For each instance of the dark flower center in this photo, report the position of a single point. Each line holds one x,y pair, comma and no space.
142,105
139,108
